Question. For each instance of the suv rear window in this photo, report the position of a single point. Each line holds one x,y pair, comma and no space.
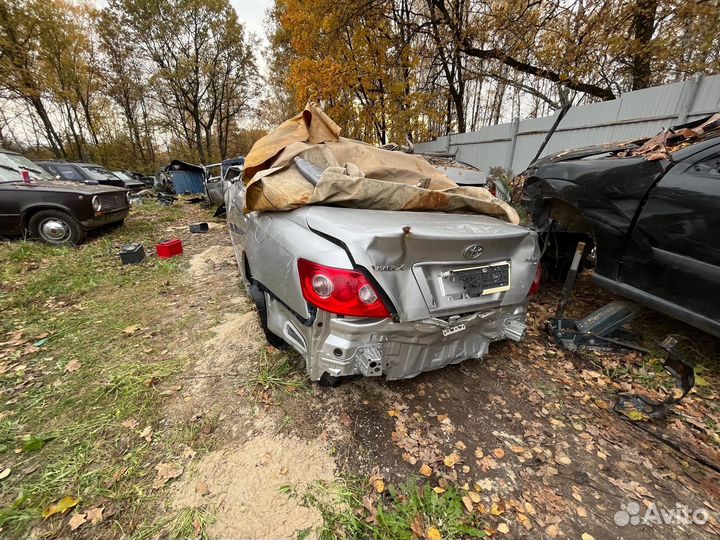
96,172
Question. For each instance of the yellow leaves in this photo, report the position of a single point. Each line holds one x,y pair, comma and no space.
377,483
601,404
452,460
503,528
562,459
552,531
468,503
433,534
425,470
95,515
525,521
499,453
60,507
5,473
438,490
497,509
130,330
587,536
393,413
474,497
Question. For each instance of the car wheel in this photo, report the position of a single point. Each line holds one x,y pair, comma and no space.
258,296
56,227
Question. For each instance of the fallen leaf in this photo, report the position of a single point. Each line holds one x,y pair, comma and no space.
552,531
635,416
5,473
393,412
524,521
466,469
76,520
147,433
499,453
468,503
460,445
474,497
563,460
63,505
417,527
130,330
581,511
72,365
165,472
503,528
425,470
188,453
586,536
130,423
478,453
95,515
379,485
452,460
517,449
601,404
496,509
202,488
438,490
433,534
284,471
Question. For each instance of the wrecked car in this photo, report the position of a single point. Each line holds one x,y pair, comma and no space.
370,262
53,211
81,172
217,177
181,178
650,211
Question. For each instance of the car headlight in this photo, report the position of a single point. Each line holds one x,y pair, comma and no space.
96,204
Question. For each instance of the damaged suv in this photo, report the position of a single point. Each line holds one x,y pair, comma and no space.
650,208
365,273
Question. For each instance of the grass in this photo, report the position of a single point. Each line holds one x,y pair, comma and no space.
276,371
61,429
400,509
185,523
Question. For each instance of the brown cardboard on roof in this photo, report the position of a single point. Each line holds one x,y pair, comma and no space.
356,175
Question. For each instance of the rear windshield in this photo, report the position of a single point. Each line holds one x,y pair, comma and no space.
11,164
96,172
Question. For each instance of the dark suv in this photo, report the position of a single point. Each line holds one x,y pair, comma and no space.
53,211
81,172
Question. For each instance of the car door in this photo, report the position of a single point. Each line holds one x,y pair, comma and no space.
673,252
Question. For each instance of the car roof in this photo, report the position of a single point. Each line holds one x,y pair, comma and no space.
5,151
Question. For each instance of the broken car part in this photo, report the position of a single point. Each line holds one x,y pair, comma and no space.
199,227
650,210
132,253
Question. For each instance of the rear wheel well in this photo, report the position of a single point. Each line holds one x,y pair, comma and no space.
561,226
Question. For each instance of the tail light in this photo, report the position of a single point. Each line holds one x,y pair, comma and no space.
535,286
344,292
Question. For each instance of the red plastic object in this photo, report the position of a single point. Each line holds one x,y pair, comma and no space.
169,248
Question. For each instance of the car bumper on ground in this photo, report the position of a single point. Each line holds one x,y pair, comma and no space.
106,218
371,347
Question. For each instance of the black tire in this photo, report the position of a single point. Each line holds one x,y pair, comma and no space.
258,297
56,227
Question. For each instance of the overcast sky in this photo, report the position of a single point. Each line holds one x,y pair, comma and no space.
252,13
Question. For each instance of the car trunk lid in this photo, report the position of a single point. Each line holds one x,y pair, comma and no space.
434,264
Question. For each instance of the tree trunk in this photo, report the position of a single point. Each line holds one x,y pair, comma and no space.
645,12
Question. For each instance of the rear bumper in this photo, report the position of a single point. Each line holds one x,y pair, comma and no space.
371,347
105,219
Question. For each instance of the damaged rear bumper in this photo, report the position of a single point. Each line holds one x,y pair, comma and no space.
370,347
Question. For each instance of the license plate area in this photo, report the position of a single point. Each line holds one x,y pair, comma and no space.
477,280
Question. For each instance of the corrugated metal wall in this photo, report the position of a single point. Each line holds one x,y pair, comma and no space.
642,113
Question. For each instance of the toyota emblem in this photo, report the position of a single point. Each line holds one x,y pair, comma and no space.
473,251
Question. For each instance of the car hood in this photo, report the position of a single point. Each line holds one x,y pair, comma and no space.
58,186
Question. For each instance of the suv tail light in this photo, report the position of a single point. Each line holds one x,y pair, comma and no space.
535,286
339,291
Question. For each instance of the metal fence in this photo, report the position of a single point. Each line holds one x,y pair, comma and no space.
637,114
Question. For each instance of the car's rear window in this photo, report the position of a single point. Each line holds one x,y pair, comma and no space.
97,172
69,172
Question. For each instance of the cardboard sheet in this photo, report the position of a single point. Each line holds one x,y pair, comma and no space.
356,175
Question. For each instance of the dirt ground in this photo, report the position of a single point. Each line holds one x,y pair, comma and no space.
529,432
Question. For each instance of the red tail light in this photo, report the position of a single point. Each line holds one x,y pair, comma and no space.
535,287
344,292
